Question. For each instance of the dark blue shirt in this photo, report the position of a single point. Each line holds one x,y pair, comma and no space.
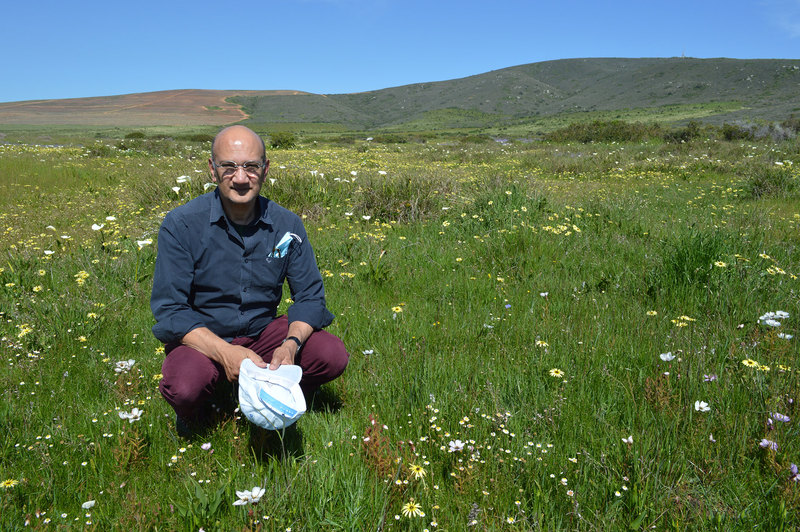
208,275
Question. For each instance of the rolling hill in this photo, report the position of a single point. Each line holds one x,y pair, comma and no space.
170,108
719,90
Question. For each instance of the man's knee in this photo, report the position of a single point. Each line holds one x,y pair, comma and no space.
323,358
338,357
188,379
183,394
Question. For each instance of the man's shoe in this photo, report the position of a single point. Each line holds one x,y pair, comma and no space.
188,429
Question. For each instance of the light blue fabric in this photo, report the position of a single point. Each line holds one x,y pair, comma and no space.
282,248
275,405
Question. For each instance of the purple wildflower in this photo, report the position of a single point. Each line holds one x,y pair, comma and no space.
780,417
795,475
769,444
710,378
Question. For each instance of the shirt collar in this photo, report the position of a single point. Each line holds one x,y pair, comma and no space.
264,217
218,213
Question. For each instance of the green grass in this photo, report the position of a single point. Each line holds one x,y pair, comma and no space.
481,269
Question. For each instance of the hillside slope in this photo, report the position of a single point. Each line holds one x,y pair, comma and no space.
173,107
751,88
770,87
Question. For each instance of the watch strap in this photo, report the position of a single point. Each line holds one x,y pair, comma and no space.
295,339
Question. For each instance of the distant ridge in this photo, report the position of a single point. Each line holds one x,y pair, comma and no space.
172,107
749,89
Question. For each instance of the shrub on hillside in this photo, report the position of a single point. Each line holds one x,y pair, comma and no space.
684,134
390,138
153,146
198,137
282,139
343,140
749,131
735,132
792,123
100,149
135,135
474,139
777,132
605,131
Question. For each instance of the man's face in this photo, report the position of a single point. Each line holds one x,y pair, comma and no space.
238,146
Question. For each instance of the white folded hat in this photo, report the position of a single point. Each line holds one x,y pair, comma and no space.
272,399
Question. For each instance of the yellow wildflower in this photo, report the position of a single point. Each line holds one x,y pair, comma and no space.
417,471
413,509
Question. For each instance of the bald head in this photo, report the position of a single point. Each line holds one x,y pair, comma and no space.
239,138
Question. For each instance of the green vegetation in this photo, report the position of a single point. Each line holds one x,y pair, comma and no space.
553,94
598,131
521,101
282,139
544,335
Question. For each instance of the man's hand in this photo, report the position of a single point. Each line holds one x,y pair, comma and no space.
228,355
284,354
232,357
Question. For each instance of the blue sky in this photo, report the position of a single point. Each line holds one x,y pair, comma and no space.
91,48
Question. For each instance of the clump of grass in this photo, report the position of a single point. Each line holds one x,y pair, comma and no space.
689,258
776,181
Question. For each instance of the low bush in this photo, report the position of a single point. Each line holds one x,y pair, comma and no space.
685,134
792,123
390,138
605,131
749,131
282,139
198,137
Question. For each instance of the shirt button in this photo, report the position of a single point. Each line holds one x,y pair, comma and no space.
245,290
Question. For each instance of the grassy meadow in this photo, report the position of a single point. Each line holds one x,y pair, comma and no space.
543,336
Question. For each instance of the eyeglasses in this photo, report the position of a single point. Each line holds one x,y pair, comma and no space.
229,168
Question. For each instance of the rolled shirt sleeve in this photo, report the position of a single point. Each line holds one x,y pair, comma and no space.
305,285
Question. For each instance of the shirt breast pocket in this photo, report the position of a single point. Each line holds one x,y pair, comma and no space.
270,272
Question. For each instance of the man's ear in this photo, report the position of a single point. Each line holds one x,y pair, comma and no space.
211,169
263,176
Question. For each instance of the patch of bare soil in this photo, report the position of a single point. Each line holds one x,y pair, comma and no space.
163,108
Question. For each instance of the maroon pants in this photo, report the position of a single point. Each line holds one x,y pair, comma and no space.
191,378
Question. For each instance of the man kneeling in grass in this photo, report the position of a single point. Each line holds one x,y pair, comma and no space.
222,260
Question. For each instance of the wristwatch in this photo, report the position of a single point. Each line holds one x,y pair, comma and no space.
296,340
